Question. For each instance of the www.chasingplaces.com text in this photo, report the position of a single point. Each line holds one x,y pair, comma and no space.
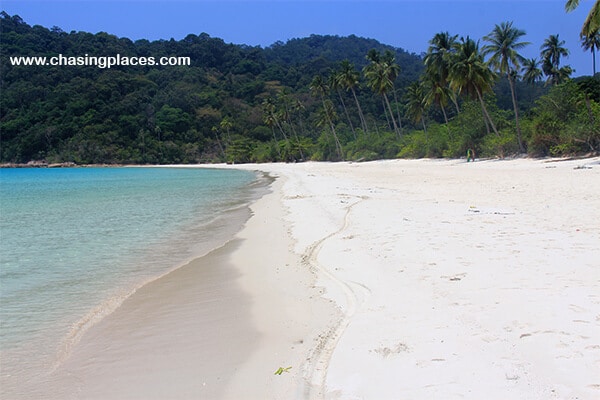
98,61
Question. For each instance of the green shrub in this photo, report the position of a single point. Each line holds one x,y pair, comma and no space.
506,144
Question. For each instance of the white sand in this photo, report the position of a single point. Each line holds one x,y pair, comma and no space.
385,280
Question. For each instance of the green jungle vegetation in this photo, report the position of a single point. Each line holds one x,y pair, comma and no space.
315,98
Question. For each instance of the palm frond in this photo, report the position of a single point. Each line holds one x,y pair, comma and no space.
592,22
571,5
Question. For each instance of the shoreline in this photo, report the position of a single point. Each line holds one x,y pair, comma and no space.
204,349
40,372
71,164
465,280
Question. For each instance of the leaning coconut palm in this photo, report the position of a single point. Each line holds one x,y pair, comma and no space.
416,102
271,119
348,78
336,85
438,94
471,76
378,74
287,109
270,112
437,61
503,43
592,22
591,42
319,88
393,70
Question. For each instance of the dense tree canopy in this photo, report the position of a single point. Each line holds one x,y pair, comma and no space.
320,98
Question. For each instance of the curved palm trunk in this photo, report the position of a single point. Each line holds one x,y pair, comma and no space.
398,112
219,143
426,136
363,122
391,114
346,112
338,145
486,114
446,119
454,99
281,130
275,142
285,137
516,109
294,133
385,113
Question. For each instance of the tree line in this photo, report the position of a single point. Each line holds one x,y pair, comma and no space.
315,98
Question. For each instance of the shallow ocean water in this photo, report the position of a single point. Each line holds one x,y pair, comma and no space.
75,242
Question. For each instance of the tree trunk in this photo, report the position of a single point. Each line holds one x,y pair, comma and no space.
346,112
281,130
426,137
338,145
455,102
385,112
360,113
516,109
294,133
485,113
446,119
275,141
219,143
391,114
398,112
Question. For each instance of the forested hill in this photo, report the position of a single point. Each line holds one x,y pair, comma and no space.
212,110
315,98
317,52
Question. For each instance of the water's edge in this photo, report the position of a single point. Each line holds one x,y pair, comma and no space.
223,228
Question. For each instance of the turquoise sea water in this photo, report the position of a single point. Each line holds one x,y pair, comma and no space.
75,242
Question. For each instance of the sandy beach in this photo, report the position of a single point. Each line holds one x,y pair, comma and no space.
403,279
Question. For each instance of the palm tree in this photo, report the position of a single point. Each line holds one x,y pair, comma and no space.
417,106
215,131
348,79
438,94
552,50
378,74
592,22
335,84
471,76
393,69
416,102
285,114
503,45
272,118
437,63
227,125
319,88
591,42
531,71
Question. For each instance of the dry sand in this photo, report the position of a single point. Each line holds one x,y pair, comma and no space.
384,280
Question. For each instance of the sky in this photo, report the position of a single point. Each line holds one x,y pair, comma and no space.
407,24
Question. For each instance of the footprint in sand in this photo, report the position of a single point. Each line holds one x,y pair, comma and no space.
385,352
